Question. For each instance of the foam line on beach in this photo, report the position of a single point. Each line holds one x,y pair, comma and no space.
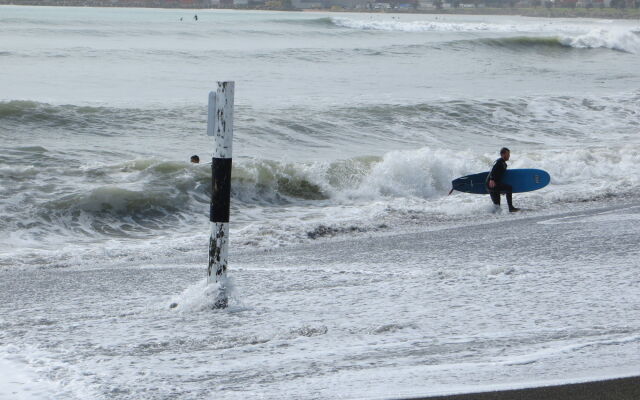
19,382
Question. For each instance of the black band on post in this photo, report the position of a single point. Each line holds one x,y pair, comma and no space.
220,189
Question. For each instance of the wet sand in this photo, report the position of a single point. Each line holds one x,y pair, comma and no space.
612,389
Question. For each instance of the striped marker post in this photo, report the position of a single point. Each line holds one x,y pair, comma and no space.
220,126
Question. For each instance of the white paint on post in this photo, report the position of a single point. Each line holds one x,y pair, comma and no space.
218,261
220,126
211,114
223,121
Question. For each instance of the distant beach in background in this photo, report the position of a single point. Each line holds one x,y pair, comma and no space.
540,12
566,9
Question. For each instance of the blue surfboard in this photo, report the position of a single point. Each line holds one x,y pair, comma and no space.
522,180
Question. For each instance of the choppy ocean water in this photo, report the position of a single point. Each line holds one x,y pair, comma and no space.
349,129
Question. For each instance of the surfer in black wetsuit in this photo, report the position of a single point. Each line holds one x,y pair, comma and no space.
495,186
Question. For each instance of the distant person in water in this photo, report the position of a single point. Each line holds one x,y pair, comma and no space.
495,178
195,17
195,159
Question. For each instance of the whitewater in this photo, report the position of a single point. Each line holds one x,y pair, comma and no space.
354,274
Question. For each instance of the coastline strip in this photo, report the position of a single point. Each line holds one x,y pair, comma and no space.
611,389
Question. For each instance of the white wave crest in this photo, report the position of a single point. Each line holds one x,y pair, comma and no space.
423,173
415,26
578,36
621,40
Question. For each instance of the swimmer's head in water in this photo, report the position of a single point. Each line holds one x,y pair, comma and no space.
195,159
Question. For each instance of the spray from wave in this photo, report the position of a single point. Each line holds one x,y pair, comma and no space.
622,40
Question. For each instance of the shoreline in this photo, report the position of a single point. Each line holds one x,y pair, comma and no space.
540,12
609,389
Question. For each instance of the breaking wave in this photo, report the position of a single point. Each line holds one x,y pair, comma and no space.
626,40
621,40
50,194
416,26
142,197
153,196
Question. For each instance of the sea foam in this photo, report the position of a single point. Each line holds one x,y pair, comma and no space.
615,39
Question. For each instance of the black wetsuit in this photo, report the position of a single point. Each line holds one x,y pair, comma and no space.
497,173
